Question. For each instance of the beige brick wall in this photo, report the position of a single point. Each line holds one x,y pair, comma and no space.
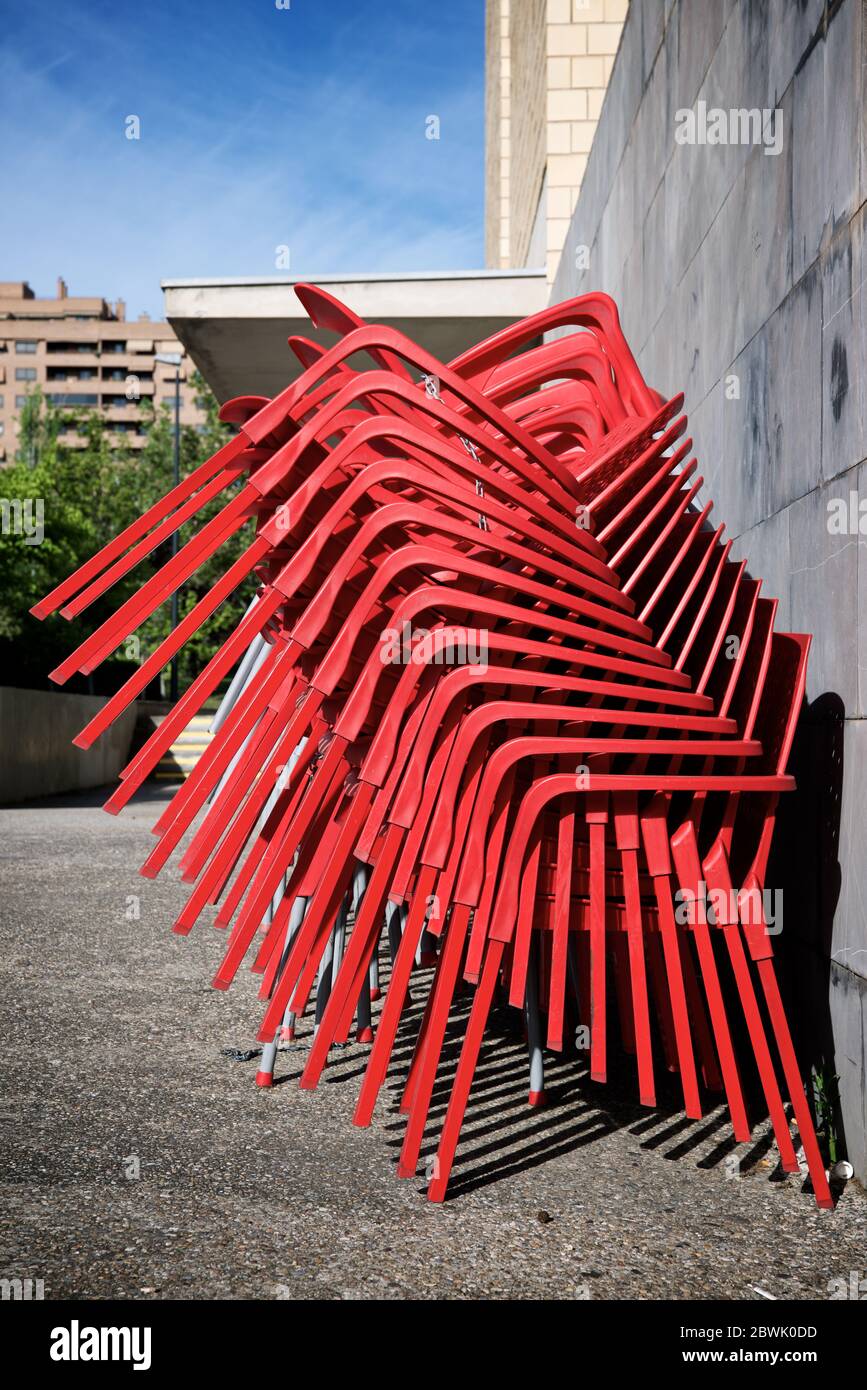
581,40
528,78
547,67
497,113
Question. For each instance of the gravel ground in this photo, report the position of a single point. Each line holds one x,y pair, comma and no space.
138,1161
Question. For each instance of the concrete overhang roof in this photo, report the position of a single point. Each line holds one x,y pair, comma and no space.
235,330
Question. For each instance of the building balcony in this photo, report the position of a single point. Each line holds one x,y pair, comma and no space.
70,357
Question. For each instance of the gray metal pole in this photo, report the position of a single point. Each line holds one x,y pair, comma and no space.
265,1074
535,1041
176,453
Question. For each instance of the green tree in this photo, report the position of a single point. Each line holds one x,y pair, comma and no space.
88,495
196,445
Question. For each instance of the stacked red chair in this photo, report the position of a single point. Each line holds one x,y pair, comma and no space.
502,697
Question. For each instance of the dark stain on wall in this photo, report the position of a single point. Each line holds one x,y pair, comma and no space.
839,378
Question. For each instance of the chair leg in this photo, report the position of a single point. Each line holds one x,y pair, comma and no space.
718,879
698,1016
598,1055
426,1062
395,997
684,848
265,1072
638,977
533,1016
794,1085
677,995
466,1070
774,1100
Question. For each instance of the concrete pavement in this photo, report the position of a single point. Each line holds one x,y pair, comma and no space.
139,1161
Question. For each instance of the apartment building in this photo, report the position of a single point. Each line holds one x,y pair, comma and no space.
84,354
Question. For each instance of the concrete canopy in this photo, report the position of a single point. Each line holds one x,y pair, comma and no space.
235,330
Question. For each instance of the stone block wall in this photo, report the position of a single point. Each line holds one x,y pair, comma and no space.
740,270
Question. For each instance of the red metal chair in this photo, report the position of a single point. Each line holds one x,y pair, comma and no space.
526,816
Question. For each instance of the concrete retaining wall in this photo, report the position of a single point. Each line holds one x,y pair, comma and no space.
740,275
38,757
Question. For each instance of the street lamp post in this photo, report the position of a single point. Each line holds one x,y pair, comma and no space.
172,359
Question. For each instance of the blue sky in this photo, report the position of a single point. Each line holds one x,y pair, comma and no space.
260,128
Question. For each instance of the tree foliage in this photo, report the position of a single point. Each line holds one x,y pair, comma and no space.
88,495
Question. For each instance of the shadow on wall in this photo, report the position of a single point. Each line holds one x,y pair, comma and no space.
805,864
40,759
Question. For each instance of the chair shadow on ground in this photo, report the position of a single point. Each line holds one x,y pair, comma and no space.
502,1136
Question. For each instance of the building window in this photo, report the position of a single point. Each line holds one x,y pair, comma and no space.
25,373
71,373
2,402
114,347
20,402
26,345
73,398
